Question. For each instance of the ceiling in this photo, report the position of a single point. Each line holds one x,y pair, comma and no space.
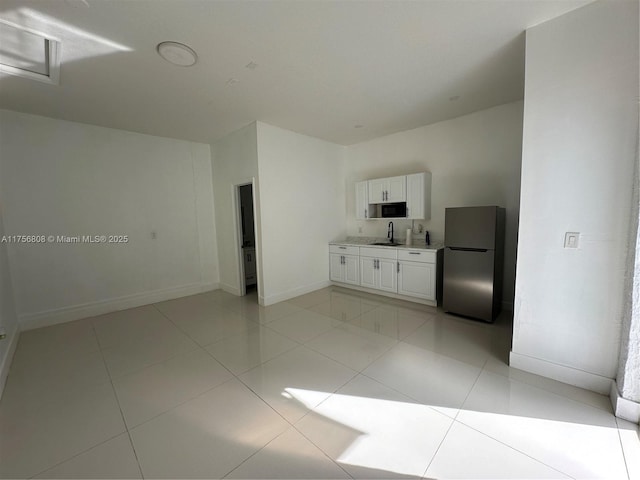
344,71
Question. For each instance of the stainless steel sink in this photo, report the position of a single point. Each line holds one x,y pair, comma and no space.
386,244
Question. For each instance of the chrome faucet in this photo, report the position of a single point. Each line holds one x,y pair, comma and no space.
390,232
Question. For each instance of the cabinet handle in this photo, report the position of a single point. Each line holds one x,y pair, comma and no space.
343,248
398,267
375,264
414,253
365,213
343,260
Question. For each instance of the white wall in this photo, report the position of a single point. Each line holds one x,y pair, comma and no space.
235,161
8,319
64,178
302,208
580,131
474,160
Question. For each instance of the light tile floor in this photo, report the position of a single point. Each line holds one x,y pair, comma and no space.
332,384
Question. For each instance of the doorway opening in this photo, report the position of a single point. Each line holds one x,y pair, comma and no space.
247,240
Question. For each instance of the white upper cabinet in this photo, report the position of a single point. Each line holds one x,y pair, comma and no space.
387,190
419,196
362,200
377,189
414,189
397,189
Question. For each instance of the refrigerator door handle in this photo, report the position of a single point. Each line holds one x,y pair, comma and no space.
469,249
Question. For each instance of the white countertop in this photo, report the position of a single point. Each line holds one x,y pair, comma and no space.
368,241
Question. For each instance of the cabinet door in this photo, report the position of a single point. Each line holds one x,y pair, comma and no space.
415,196
387,275
417,280
377,190
362,201
352,269
336,270
396,189
368,272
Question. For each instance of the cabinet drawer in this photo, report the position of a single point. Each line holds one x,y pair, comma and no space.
390,253
344,249
422,256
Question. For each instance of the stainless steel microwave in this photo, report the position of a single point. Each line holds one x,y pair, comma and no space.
393,210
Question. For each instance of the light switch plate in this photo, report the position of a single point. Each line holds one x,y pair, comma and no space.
571,239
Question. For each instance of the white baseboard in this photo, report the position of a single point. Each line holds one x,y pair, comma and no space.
46,318
374,291
622,407
12,338
562,373
296,292
233,290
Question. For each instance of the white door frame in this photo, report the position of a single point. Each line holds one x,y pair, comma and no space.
242,285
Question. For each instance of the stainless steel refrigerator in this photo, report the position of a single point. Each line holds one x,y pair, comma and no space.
473,261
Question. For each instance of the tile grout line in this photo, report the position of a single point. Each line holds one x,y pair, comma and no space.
76,455
546,390
237,377
471,389
115,394
453,421
624,455
515,449
309,411
318,447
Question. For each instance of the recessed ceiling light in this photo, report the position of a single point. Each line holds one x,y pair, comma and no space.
358,126
177,53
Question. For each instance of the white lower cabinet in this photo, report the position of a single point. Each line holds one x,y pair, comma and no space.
378,269
416,280
344,265
406,272
417,274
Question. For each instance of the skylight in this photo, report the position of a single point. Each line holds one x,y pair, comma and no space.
28,54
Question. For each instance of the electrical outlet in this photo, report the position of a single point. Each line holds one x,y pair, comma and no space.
571,239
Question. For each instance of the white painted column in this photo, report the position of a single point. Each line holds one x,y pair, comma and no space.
625,391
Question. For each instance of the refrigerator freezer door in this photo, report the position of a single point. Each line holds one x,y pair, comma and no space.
470,227
468,283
